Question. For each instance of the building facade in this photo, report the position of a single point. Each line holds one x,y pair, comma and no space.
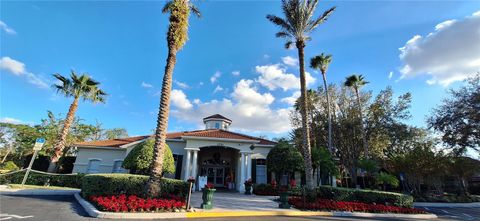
215,155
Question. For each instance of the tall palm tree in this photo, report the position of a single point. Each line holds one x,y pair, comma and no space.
356,82
177,36
296,27
321,62
78,87
313,99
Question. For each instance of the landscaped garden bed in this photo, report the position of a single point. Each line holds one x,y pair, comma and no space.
133,203
332,205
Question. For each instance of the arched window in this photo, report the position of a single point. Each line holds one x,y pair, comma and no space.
117,166
93,165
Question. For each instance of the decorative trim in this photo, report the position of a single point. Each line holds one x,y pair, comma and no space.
221,139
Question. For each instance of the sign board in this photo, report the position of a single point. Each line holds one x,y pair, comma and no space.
39,144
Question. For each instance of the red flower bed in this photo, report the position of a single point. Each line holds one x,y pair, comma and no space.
324,204
132,203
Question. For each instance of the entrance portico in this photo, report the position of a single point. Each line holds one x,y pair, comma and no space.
223,166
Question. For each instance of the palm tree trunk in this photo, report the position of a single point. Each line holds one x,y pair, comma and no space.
364,138
62,136
152,188
330,148
6,155
307,152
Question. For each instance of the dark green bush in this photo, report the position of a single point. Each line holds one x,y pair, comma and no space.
365,196
65,164
40,179
9,165
116,184
264,190
140,159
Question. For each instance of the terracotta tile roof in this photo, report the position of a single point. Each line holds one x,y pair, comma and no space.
211,133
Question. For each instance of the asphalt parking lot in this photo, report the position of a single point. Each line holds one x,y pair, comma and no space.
66,208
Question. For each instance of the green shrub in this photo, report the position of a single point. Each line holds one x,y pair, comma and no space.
9,165
264,190
40,179
116,184
365,196
138,161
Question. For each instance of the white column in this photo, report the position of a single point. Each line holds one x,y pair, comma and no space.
194,166
242,172
249,166
187,166
334,181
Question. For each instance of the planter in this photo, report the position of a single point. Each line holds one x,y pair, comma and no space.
248,190
207,197
284,200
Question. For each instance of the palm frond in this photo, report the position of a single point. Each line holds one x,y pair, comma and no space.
195,10
313,24
167,7
280,22
288,44
282,35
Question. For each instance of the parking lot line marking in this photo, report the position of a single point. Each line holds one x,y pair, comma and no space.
445,211
467,215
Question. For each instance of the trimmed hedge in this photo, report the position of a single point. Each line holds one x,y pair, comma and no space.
40,179
364,196
129,184
263,189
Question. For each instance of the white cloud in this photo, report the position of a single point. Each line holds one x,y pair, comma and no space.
249,109
390,75
18,68
275,76
217,89
292,99
450,53
7,29
235,73
215,76
290,61
10,120
146,85
181,84
179,100
12,66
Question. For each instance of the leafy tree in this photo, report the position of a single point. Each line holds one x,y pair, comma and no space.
177,36
369,166
385,179
284,158
322,162
296,27
356,82
463,168
458,117
140,159
322,62
78,87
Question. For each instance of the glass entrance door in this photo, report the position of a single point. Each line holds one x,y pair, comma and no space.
216,176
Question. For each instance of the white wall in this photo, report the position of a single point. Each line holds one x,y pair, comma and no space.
107,157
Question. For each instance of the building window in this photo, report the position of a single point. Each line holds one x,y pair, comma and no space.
217,125
117,166
93,166
261,171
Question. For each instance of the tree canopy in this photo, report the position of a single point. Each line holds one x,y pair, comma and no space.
140,158
284,158
458,117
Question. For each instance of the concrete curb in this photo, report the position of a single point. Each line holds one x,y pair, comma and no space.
451,205
385,215
37,192
93,212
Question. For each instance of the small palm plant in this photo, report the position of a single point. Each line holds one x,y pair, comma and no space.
385,179
78,87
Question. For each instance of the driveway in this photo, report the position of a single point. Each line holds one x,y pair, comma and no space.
66,208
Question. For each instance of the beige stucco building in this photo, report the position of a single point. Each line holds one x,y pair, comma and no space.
215,155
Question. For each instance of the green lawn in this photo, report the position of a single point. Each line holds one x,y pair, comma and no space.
19,186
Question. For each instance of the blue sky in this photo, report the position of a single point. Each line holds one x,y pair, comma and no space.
232,64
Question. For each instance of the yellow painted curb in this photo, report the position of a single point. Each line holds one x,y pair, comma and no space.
256,213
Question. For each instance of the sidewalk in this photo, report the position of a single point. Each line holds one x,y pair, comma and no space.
451,205
5,190
234,201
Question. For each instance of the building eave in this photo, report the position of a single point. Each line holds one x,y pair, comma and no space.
221,139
